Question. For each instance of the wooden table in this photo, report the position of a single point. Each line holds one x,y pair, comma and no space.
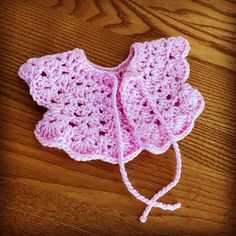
44,192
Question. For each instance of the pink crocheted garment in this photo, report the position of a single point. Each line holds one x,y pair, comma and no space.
112,114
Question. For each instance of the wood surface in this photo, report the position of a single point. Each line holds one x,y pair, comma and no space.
44,192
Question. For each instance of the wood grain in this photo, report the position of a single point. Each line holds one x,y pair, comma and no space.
44,192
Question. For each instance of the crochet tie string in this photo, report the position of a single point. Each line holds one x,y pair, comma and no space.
163,191
151,202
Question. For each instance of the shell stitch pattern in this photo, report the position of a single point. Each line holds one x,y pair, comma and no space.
112,114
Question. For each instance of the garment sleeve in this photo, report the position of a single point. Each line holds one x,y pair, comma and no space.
48,76
161,99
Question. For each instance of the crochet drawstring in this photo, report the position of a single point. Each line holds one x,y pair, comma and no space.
153,202
162,192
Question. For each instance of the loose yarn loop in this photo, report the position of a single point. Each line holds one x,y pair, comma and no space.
112,114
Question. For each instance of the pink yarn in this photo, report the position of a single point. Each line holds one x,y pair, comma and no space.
112,114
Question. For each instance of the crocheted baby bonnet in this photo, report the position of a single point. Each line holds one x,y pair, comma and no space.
112,114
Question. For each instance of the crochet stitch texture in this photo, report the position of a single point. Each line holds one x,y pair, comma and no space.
112,114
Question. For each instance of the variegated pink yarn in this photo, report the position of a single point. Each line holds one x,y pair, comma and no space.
112,114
